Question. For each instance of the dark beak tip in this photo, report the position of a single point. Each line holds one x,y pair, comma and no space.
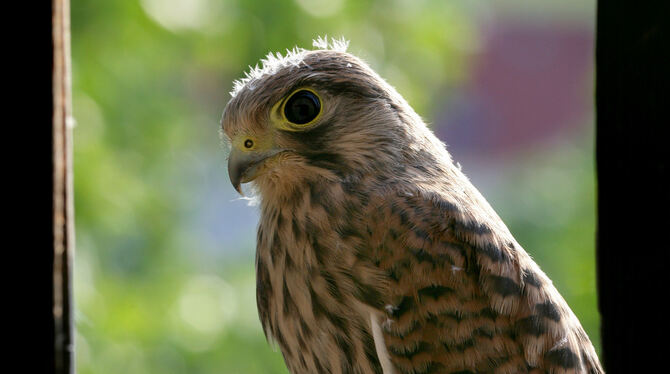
238,188
235,180
235,173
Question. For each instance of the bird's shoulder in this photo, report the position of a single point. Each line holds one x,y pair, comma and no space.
434,234
434,220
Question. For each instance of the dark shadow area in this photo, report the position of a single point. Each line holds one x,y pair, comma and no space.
632,96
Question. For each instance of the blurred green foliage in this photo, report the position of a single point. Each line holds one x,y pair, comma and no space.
162,287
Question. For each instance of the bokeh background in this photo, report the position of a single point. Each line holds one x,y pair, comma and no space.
164,278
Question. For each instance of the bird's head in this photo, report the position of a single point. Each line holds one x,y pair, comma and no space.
315,115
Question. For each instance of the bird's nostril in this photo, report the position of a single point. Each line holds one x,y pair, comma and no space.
248,143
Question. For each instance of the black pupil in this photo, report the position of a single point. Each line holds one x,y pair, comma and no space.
302,107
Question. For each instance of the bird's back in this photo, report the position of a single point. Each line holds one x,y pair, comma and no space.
466,296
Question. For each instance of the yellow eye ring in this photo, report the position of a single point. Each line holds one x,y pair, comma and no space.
301,109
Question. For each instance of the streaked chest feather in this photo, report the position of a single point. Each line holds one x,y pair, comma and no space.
307,287
332,262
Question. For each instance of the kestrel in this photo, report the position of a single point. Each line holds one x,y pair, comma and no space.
375,253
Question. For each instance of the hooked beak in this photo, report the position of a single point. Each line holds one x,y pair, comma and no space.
243,166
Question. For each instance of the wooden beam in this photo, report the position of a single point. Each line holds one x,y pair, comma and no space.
63,224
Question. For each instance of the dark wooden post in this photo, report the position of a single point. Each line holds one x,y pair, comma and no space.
633,116
63,226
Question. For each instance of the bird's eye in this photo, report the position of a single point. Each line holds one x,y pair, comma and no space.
302,107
